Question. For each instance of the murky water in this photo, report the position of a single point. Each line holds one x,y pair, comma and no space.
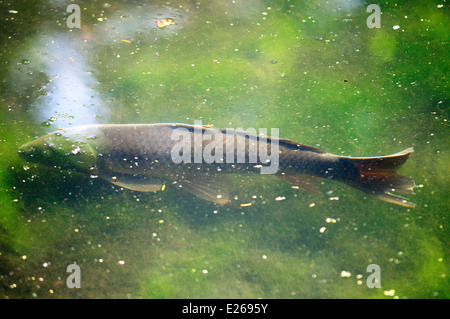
314,70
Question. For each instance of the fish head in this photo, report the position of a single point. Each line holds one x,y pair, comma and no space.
60,150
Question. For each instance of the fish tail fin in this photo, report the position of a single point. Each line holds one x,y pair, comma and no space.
378,177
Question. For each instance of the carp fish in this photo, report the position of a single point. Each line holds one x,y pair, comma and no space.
147,157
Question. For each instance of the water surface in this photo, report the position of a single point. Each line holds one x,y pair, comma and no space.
312,69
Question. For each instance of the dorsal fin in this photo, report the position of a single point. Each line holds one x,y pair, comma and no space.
293,145
281,141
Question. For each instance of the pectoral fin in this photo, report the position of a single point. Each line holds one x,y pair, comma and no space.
137,183
210,188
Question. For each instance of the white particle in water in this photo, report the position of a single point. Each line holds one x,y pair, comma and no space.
390,293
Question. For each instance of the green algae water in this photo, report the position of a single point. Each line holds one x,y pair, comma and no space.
315,70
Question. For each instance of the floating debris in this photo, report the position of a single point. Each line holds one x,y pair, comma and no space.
246,204
164,23
390,293
76,150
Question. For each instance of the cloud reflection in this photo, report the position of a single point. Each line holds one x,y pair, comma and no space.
71,93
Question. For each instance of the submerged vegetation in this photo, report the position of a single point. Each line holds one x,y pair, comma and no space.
313,70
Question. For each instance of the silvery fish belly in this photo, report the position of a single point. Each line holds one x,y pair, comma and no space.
146,157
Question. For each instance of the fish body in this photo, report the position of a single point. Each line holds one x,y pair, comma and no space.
145,157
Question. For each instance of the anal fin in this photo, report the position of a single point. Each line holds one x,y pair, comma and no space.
307,182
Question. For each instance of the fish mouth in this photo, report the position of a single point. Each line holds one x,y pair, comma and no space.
31,149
